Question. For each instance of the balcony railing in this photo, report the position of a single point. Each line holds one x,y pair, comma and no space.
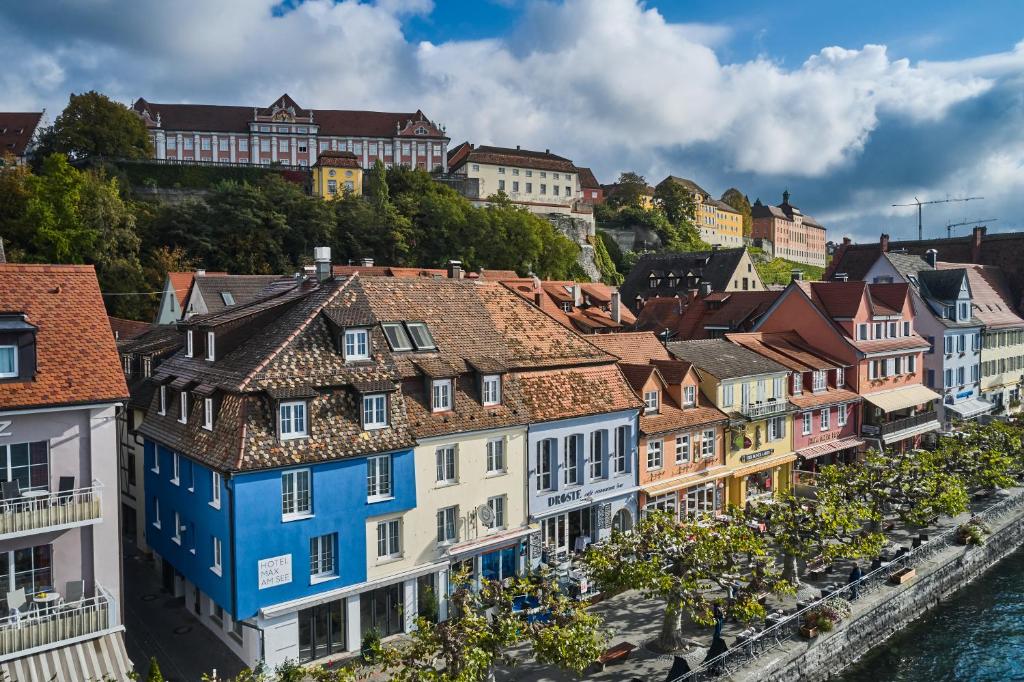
54,625
763,409
907,423
38,511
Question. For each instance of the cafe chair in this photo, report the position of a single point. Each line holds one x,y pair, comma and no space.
74,594
11,491
65,488
16,602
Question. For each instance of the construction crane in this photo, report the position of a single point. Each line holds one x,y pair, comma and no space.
919,204
950,226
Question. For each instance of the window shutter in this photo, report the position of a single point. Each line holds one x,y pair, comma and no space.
782,427
630,452
606,464
556,472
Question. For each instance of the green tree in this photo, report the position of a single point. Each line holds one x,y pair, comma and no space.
630,190
686,563
912,485
983,456
741,203
482,626
92,126
154,674
676,202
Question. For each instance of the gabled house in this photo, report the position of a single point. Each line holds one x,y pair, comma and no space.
61,387
215,292
681,452
944,315
584,307
18,134
753,391
705,314
718,222
870,327
667,275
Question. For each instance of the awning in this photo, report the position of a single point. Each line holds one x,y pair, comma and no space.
762,464
970,408
902,398
687,481
100,658
830,446
487,541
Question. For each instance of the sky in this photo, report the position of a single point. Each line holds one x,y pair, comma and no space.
852,107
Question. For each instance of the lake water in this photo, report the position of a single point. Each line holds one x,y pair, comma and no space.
978,635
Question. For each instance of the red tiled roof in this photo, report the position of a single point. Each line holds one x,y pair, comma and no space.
587,178
77,359
511,157
632,347
672,418
16,131
333,159
576,392
990,295
892,296
587,319
731,311
498,274
636,375
127,329
829,396
838,299
786,348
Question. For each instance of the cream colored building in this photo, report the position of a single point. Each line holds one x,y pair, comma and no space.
719,223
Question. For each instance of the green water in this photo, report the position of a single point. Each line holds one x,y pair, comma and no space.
978,635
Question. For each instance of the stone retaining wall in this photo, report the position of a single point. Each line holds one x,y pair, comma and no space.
828,655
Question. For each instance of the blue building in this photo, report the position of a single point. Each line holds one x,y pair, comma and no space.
274,438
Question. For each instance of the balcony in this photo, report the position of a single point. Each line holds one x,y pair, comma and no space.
898,429
768,408
50,627
37,511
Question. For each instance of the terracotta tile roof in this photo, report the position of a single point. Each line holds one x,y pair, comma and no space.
469,413
243,288
637,375
126,329
506,156
786,348
587,178
706,317
990,295
830,396
672,418
838,299
589,318
892,296
16,131
633,347
576,392
76,358
181,282
335,159
673,370
908,343
498,274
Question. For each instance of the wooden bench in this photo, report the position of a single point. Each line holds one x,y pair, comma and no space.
817,566
615,654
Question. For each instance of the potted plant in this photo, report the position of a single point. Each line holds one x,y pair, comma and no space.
972,533
809,628
371,645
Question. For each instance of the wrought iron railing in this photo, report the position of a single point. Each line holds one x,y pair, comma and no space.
897,425
41,511
764,409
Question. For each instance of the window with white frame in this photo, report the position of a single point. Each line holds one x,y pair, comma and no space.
163,400
806,417
545,460
322,552
906,328
650,402
818,381
217,555
375,411
378,478
890,367
961,376
357,344
701,499
961,343
947,343
497,505
798,383
208,414
492,389
175,468
727,395
911,364
623,448
840,377
176,538
689,396
707,444
655,458
156,513
892,330
188,343
776,428
211,340
778,388
664,503
841,414
296,493
825,419
496,456
573,459
215,490
389,539
183,408
862,332
683,448
878,330
292,420
441,390
447,525
598,449
445,464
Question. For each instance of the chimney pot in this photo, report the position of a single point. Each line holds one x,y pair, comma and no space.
454,269
796,275
367,262
846,240
883,242
976,238
931,255
517,147
322,259
577,295
547,151
704,288
201,273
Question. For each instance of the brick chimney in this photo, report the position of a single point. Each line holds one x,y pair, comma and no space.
976,238
883,243
577,295
454,269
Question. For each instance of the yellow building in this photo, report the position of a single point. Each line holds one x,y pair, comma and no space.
752,390
718,222
337,174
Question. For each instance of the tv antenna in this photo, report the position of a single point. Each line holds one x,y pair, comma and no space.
950,226
919,204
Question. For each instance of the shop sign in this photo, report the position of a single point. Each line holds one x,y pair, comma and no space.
562,498
760,454
830,435
870,430
965,394
5,429
275,571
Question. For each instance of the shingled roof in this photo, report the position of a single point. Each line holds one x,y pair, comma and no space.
635,347
689,269
16,131
722,359
76,358
505,156
990,296
242,288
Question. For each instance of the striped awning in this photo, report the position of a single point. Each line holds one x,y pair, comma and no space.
101,658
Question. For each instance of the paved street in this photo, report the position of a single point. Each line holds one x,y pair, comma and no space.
159,625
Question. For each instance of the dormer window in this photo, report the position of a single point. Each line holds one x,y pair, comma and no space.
798,383
420,336
949,312
163,400
208,414
183,408
210,346
188,343
147,366
375,411
227,297
292,420
8,362
689,396
892,330
819,380
906,328
491,389
441,395
567,306
126,362
840,376
397,338
651,400
357,344
965,311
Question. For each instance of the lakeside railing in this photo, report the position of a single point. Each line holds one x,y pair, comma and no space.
772,638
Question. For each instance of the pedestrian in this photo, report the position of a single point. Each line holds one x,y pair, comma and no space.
855,577
719,616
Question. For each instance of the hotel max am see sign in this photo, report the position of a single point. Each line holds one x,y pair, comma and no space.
275,571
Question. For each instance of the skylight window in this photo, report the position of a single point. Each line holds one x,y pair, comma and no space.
227,297
398,339
421,336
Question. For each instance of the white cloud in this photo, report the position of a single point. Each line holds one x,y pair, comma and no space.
610,84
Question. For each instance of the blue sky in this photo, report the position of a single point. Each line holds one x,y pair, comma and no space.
851,106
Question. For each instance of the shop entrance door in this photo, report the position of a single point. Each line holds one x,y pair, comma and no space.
322,630
555,534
